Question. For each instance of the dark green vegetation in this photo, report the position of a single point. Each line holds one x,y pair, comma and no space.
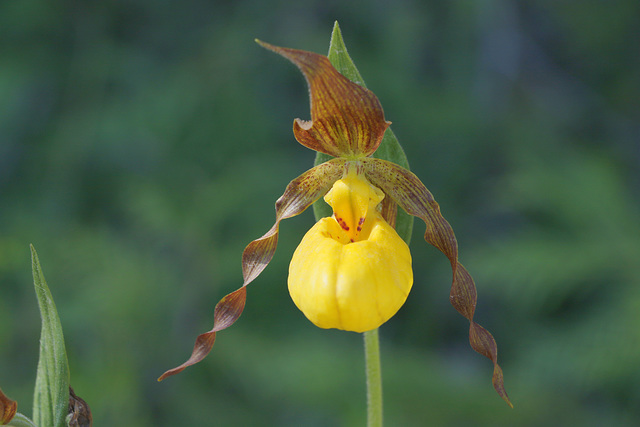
143,145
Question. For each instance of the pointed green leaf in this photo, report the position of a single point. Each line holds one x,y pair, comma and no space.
340,59
389,149
51,394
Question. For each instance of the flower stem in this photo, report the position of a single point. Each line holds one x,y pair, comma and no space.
374,378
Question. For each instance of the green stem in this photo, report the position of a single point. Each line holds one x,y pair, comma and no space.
374,378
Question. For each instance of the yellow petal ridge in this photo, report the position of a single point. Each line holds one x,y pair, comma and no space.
351,271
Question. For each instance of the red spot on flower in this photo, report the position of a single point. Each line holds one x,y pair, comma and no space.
342,223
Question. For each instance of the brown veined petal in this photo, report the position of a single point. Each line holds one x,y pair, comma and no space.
8,409
410,194
298,196
346,119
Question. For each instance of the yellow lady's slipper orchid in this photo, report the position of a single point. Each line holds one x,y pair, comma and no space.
351,271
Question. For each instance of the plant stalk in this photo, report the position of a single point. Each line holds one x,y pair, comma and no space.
374,378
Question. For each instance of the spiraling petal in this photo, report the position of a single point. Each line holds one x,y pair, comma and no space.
346,119
298,196
410,194
8,409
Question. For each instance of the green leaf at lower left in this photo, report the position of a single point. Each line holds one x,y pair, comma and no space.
51,394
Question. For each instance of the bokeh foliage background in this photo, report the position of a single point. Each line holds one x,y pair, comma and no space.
143,144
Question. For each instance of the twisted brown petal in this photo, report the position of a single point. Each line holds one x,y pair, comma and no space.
411,195
298,196
346,118
8,409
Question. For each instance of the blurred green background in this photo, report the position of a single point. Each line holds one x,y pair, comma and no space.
144,143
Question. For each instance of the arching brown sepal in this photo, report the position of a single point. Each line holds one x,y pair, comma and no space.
346,119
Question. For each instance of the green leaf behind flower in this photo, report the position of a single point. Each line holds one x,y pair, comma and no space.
51,394
389,148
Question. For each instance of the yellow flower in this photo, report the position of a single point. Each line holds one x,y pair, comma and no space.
351,271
